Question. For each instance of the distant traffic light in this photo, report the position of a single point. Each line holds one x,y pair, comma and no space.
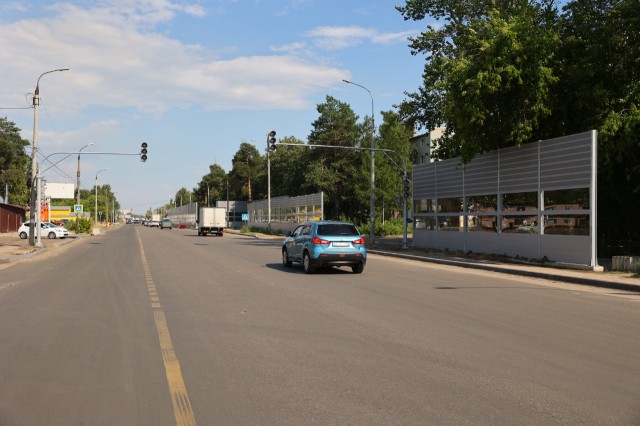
29,180
405,187
143,152
271,141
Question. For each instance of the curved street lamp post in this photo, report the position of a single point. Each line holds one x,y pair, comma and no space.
34,221
78,187
95,218
372,206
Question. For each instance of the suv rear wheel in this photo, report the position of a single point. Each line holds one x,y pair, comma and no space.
306,263
357,269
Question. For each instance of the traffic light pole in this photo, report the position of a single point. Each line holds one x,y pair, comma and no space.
271,146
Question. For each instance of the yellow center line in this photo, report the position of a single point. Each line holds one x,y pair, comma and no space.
181,404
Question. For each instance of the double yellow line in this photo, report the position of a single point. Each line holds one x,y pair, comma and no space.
181,403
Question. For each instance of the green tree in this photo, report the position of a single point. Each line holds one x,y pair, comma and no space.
14,163
246,167
488,74
394,135
332,170
288,166
212,187
183,197
599,69
106,198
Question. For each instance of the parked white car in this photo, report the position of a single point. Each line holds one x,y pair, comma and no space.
48,229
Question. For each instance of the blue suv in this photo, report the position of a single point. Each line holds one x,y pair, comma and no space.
325,243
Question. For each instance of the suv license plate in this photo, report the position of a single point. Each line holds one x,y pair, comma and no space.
341,244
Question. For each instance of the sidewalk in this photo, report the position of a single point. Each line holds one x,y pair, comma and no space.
14,250
626,281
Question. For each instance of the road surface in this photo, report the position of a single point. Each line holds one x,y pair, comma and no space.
143,326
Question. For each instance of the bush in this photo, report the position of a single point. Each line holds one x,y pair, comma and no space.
80,226
390,227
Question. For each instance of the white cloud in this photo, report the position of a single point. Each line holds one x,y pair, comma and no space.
393,38
99,133
115,61
73,139
291,48
335,38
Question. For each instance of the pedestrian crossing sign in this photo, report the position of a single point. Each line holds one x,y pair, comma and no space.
79,208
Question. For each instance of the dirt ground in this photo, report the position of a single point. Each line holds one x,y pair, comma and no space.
12,245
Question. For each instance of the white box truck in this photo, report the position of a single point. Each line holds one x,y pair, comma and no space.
211,220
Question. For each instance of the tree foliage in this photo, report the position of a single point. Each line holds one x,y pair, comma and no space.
246,167
328,170
14,163
288,168
394,135
599,88
183,197
212,187
488,74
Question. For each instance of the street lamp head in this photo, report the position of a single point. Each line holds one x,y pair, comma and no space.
37,91
347,81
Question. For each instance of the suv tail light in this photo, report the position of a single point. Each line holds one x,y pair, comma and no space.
317,240
359,241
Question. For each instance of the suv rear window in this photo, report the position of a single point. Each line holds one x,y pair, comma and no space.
338,230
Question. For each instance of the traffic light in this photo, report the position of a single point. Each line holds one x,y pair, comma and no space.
271,141
143,152
29,180
405,187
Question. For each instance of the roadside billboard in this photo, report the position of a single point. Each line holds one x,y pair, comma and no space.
59,190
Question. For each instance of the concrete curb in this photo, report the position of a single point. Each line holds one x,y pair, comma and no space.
515,270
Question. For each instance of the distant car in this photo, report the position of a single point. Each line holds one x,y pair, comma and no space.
527,229
166,224
153,223
325,243
48,229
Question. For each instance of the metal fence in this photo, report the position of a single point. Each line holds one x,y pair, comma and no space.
537,201
286,211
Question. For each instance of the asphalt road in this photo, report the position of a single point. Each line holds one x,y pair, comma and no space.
143,326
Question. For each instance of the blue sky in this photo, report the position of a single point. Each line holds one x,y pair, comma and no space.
192,78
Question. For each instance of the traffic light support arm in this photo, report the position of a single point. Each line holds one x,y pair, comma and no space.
84,153
386,152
